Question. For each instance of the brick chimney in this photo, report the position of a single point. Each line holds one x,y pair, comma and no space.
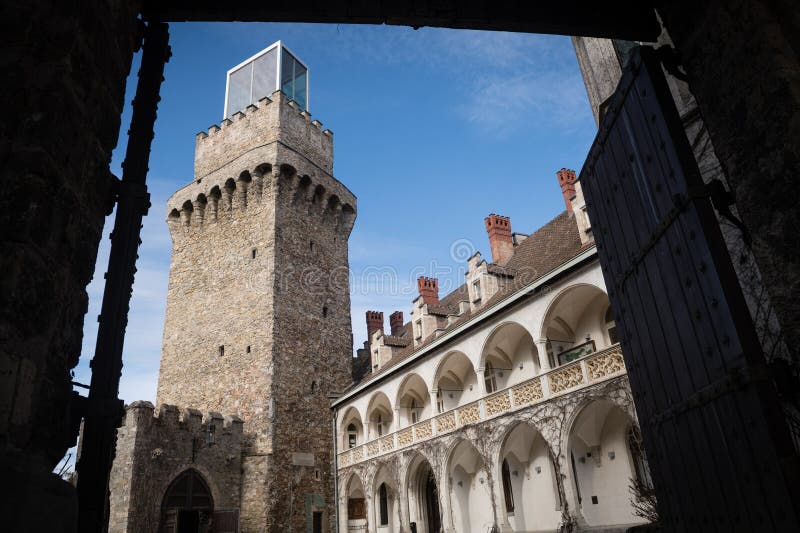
396,322
499,230
374,322
566,178
428,289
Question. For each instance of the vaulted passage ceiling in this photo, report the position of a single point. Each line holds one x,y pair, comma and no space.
635,21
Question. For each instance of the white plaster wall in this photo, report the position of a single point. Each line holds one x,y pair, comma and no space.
608,480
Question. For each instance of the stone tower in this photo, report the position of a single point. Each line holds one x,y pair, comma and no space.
258,306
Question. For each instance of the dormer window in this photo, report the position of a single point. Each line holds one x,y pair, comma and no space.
476,290
418,330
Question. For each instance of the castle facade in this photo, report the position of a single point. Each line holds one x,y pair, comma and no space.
502,404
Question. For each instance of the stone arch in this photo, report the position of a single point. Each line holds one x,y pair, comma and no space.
385,498
413,400
348,216
200,207
512,354
380,415
188,494
423,494
528,496
186,213
351,416
174,216
574,323
262,176
600,462
467,487
355,496
214,197
228,191
455,382
287,171
301,194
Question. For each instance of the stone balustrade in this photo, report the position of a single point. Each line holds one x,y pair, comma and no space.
583,372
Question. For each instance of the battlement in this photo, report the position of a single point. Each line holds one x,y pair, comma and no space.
275,119
222,197
171,418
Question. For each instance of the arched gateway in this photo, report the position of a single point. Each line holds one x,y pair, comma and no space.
188,506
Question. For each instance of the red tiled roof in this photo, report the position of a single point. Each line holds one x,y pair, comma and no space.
550,246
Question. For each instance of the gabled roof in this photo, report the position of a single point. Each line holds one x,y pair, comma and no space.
546,249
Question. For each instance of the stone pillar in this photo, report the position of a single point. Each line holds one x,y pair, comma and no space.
541,352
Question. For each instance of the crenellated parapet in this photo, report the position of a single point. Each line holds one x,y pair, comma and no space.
233,192
272,120
172,420
155,445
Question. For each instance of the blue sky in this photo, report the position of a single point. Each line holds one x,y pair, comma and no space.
433,130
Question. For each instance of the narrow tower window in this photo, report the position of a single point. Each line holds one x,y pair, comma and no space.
253,253
248,349
221,351
324,311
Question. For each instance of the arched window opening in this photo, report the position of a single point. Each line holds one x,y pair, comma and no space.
508,494
383,498
352,436
611,327
413,411
489,378
379,425
439,401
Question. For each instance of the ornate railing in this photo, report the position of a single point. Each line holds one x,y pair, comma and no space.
588,370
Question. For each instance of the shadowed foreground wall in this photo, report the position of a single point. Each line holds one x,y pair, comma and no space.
63,66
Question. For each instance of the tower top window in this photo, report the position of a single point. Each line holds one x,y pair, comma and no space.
273,68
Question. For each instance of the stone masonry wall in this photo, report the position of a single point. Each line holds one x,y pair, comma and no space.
63,71
153,450
258,310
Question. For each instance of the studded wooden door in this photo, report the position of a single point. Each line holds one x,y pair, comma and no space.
717,444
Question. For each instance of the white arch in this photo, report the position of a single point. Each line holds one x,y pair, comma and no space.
413,388
468,490
380,415
513,353
456,379
600,463
532,477
351,415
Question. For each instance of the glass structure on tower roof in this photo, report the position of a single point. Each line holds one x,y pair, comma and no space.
273,68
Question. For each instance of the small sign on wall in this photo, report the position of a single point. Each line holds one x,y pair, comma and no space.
303,459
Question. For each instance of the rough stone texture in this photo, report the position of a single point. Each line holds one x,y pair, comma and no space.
153,450
258,307
743,66
64,73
